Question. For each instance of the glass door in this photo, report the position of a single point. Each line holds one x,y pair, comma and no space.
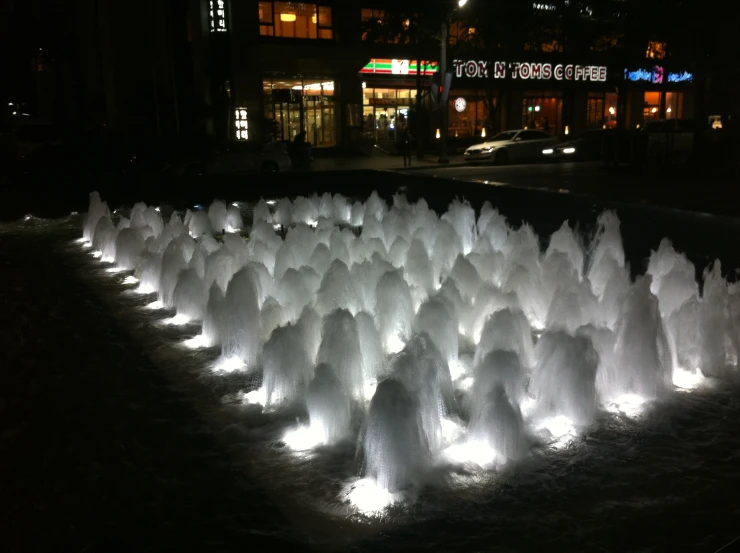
320,121
288,117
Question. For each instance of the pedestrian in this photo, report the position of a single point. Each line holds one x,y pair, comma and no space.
406,145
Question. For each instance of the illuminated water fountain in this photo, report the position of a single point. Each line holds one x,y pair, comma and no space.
429,340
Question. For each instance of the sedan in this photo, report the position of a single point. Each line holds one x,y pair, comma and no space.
511,146
586,147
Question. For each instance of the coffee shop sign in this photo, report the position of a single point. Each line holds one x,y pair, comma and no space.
525,70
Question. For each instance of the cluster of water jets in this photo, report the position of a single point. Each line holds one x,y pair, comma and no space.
457,338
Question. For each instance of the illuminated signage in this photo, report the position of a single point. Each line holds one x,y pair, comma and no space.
657,75
529,71
398,67
460,105
241,124
654,75
217,15
682,77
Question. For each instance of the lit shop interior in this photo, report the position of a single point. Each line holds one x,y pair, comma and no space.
302,104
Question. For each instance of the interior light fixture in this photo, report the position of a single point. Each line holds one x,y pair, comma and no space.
288,17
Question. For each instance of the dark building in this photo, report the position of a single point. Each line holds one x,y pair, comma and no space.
275,68
346,72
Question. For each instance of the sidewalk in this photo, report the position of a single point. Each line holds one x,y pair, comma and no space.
378,162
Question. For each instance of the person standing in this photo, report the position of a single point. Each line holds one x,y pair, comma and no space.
406,145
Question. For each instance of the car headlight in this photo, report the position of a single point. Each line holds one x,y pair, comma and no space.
487,150
547,151
569,150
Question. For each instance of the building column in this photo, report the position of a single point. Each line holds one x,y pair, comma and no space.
347,104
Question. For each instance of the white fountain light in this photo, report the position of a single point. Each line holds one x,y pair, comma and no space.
629,405
177,320
368,388
457,369
451,430
196,342
303,437
154,305
469,452
144,289
228,365
560,428
130,280
687,380
393,344
465,384
114,270
271,202
255,397
369,498
97,254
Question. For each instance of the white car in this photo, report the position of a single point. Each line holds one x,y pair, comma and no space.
511,146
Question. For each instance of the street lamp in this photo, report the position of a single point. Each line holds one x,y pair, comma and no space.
445,93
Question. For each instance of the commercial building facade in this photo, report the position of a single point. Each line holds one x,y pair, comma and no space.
275,69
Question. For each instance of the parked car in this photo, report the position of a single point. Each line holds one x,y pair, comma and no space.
509,146
586,147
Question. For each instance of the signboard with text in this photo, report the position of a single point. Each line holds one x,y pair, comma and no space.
217,15
657,75
474,69
398,67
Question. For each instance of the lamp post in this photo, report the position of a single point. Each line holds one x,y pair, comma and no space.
445,92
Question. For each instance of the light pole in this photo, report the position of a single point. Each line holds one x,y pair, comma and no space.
445,91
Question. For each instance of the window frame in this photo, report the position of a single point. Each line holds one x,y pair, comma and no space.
267,28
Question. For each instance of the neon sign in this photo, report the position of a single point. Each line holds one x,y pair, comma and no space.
654,75
683,77
398,67
217,15
529,71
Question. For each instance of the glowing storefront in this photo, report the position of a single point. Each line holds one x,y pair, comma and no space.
657,92
389,88
557,98
293,105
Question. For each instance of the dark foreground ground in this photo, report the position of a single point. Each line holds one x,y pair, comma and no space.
100,451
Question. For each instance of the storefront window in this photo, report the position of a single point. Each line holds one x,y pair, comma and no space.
595,110
610,115
601,110
651,106
543,112
385,110
295,20
673,105
467,115
301,104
